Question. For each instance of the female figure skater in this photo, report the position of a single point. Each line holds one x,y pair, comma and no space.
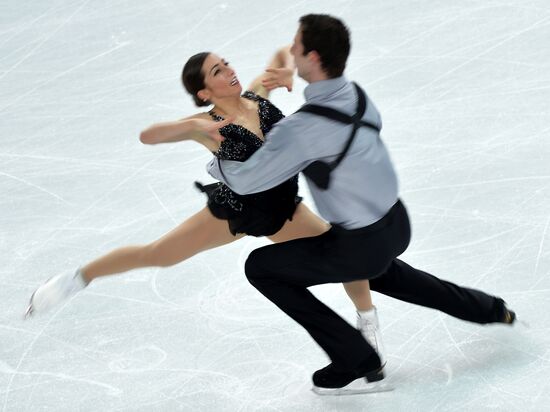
233,129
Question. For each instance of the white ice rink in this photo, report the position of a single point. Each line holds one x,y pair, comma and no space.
464,91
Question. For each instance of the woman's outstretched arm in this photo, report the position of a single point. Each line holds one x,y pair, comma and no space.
199,128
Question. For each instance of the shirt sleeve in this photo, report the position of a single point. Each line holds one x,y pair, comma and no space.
277,160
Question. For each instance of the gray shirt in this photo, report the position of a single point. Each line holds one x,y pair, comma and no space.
363,187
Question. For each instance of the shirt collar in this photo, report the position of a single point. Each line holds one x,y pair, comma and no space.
322,88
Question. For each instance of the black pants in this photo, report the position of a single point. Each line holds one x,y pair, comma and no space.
282,272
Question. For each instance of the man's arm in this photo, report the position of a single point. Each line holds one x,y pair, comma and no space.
281,157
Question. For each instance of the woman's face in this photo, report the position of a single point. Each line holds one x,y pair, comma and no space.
220,79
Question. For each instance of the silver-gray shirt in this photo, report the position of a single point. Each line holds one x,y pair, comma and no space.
362,188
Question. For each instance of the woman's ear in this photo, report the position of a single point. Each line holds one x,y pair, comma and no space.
204,95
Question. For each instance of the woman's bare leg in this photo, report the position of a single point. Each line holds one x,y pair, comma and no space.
200,232
305,223
359,292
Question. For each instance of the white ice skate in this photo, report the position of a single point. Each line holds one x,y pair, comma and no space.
369,326
54,291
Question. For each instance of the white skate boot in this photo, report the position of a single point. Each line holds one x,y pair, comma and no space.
54,291
367,323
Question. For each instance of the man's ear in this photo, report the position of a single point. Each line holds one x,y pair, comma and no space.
314,57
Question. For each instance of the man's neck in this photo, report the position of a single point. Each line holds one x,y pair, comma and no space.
316,76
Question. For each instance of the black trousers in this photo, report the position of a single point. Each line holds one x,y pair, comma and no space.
282,272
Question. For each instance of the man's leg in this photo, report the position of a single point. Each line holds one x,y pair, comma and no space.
282,273
402,281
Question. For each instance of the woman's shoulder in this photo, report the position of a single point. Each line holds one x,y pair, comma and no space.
249,94
263,103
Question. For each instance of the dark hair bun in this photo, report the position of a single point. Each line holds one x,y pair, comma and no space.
193,78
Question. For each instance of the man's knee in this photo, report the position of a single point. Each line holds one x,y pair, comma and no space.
380,281
257,265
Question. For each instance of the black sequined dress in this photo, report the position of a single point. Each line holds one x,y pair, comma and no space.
257,214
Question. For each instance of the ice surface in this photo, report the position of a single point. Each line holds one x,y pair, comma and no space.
464,91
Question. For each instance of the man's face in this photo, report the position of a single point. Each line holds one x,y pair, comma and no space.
301,61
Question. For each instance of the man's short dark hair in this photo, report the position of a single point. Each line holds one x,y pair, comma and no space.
329,37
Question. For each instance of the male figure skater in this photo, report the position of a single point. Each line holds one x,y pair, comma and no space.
357,192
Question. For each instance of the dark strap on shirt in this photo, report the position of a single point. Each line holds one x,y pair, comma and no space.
319,171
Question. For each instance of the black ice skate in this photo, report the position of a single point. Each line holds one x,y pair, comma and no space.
363,379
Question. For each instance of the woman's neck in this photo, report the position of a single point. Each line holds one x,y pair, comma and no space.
230,107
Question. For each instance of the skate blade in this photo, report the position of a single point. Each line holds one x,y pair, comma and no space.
357,387
30,309
29,312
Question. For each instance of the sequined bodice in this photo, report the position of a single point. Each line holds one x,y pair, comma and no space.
240,143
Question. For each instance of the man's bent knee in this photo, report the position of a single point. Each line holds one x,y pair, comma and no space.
257,264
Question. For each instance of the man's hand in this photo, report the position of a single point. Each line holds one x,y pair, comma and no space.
211,129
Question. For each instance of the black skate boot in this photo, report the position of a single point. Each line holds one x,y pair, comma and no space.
367,377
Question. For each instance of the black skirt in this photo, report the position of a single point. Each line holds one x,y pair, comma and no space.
257,214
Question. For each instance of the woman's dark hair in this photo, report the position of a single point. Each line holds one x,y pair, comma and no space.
192,77
329,37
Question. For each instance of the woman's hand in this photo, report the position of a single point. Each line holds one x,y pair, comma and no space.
282,77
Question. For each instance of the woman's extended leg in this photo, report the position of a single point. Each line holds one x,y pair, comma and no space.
200,232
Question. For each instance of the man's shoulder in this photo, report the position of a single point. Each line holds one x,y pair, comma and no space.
294,121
